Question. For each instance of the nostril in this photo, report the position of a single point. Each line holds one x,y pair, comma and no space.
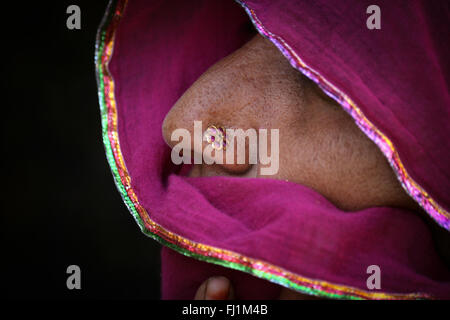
223,148
239,169
193,147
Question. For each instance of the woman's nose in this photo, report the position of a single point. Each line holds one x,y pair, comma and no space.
220,97
224,96
198,123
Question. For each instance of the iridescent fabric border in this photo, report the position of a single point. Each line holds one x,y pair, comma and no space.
439,214
226,258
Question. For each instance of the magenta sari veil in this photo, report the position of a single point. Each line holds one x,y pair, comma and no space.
263,233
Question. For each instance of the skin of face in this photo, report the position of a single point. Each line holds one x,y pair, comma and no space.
319,144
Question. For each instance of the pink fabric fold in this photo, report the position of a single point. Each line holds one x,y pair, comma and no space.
398,76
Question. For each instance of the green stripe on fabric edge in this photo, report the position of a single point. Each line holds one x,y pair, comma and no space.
104,118
258,273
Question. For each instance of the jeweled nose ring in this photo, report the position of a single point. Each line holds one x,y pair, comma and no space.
216,136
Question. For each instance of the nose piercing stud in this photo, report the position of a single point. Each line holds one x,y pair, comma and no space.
216,136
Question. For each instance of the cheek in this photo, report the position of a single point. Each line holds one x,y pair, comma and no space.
290,156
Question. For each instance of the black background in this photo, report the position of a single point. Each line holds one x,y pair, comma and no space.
59,202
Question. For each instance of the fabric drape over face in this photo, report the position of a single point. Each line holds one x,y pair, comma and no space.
394,84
